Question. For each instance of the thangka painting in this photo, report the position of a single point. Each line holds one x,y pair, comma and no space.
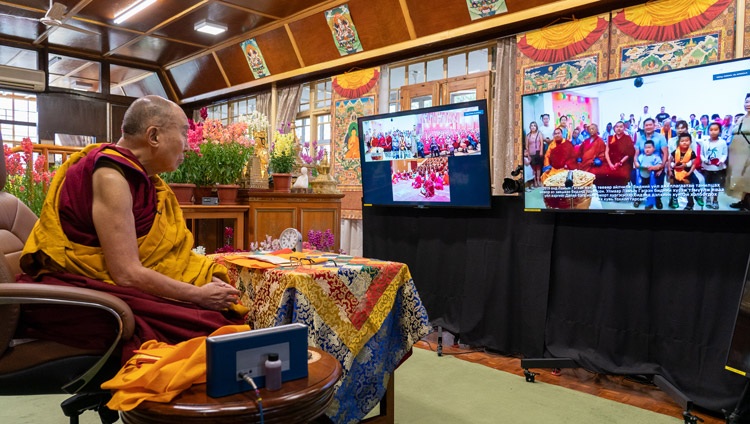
584,70
255,58
344,33
346,138
664,56
670,34
747,33
479,9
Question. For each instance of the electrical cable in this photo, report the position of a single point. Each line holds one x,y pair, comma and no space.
249,380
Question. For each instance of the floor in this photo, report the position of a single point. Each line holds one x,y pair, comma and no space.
618,388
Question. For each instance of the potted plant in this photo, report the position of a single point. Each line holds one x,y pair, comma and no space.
282,159
27,179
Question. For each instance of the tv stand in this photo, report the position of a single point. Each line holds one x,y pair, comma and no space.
555,363
679,397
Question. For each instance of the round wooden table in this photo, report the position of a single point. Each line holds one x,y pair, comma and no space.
298,401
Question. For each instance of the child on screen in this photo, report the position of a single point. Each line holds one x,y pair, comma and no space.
649,165
714,152
682,162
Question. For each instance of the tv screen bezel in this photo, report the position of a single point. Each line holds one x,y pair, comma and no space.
484,156
625,211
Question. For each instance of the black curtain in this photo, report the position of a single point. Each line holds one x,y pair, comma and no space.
620,294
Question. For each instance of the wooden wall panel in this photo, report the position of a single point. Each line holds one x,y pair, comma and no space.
378,26
235,65
314,39
277,51
197,77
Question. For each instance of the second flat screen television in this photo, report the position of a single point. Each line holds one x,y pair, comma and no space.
430,157
605,176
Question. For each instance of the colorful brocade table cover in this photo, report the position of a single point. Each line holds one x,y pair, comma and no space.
365,312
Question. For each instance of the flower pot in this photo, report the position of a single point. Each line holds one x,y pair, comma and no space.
201,192
282,182
227,193
183,192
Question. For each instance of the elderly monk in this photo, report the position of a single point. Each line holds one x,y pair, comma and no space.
110,223
592,153
560,156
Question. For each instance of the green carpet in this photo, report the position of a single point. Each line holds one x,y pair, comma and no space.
432,389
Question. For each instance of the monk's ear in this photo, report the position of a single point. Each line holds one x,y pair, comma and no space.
152,136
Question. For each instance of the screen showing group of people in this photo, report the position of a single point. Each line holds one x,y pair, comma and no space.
419,148
676,154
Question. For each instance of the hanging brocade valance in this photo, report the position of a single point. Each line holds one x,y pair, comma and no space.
669,19
353,85
561,42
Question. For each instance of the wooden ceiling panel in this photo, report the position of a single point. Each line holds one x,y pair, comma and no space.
20,23
237,21
379,26
161,11
235,65
276,8
278,51
197,76
519,5
433,16
155,50
314,39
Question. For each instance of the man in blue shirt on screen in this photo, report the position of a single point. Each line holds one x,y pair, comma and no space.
660,148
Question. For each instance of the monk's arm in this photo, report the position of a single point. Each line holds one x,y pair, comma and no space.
115,225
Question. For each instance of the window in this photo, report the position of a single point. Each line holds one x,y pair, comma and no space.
313,120
18,117
231,111
433,68
134,82
219,111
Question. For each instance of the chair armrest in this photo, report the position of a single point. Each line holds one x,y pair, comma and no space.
27,293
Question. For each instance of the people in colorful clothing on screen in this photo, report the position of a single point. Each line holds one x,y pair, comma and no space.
714,152
738,164
661,149
645,115
649,163
546,129
592,153
534,146
683,163
560,156
619,162
661,116
564,127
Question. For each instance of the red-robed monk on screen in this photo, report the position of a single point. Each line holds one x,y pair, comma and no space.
592,153
560,156
110,223
619,154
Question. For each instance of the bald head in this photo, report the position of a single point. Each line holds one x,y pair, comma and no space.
148,111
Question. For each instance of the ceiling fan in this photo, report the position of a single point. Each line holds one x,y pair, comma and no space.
55,17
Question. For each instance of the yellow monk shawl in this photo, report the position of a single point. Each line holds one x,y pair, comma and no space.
158,372
167,248
682,175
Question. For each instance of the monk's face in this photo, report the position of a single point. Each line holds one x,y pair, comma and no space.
619,128
557,135
593,130
172,140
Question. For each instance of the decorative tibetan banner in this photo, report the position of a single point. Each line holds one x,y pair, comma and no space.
344,33
564,41
671,34
355,95
255,58
479,9
747,33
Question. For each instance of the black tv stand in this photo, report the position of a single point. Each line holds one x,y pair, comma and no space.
544,363
680,398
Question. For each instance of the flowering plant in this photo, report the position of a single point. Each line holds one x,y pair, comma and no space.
282,152
217,153
27,178
269,244
311,153
255,121
319,240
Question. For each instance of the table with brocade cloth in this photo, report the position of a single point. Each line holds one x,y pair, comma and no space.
365,312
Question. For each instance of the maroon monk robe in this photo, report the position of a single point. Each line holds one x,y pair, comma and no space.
618,149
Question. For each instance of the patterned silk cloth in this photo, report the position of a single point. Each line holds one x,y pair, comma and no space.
365,312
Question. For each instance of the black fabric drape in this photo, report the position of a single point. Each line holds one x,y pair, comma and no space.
632,294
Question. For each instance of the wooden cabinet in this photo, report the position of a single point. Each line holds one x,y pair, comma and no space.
272,212
207,224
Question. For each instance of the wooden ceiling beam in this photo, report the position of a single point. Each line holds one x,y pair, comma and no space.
407,19
294,46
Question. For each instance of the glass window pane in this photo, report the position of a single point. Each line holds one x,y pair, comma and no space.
463,96
420,102
416,73
302,128
324,129
457,65
393,107
435,70
478,60
397,76
304,101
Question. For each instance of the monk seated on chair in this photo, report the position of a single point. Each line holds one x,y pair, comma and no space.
110,223
560,156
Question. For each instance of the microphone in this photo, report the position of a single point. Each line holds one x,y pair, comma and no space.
569,180
517,171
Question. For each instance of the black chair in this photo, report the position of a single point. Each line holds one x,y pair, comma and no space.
34,367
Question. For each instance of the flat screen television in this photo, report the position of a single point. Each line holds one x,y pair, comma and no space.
670,96
430,157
